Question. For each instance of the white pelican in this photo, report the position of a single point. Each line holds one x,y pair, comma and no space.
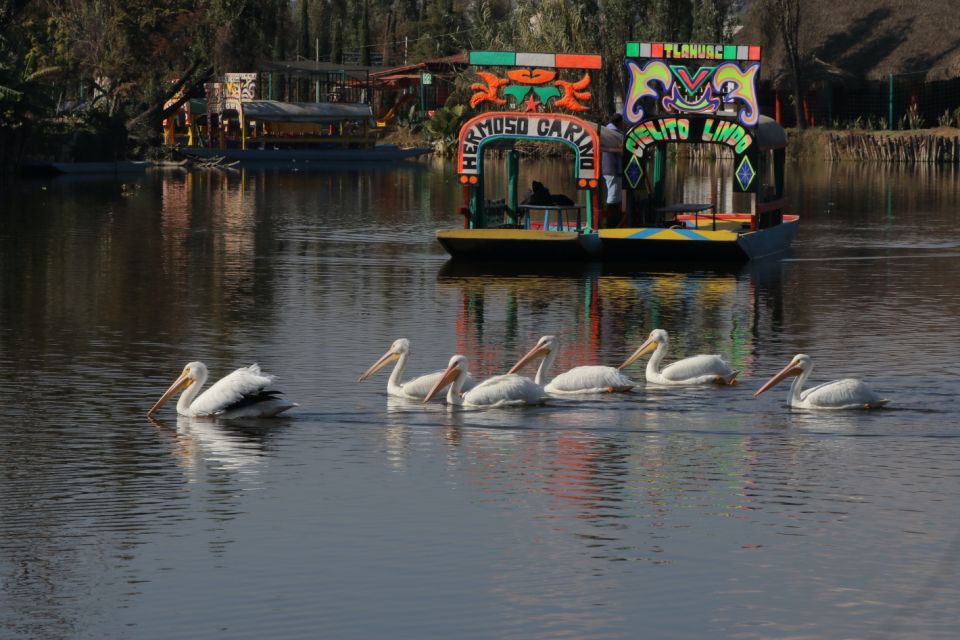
415,389
242,394
702,369
498,391
585,379
848,393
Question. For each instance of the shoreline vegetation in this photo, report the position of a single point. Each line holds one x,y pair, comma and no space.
95,81
940,145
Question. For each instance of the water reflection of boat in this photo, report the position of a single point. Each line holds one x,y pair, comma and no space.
763,270
377,154
87,168
453,269
602,312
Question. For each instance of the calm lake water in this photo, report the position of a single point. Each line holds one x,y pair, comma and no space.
677,513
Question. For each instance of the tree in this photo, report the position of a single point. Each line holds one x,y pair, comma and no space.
709,20
363,33
336,41
407,15
303,26
26,68
667,20
320,27
787,14
440,30
493,27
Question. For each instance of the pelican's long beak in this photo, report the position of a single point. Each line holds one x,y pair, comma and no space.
790,370
536,352
182,382
451,374
642,350
386,359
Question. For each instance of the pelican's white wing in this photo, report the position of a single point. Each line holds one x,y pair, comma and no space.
699,369
590,379
848,393
418,388
243,383
509,389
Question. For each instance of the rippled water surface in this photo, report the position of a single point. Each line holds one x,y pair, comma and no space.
668,513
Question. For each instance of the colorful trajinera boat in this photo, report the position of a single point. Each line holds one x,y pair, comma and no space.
535,96
676,95
238,127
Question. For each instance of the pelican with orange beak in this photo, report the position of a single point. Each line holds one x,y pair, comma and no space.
584,379
701,369
242,394
415,389
848,393
498,391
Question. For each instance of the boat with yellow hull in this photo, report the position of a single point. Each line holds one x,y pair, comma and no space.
669,102
509,243
729,240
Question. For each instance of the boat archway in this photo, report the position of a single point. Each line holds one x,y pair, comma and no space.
480,131
537,97
581,136
754,149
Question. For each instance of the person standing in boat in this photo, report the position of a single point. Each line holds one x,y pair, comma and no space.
611,145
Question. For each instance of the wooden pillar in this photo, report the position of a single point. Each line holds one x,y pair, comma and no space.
777,106
243,128
477,217
513,179
593,205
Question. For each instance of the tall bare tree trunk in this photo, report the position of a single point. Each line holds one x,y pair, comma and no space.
787,14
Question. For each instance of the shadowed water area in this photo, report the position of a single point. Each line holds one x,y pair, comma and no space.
666,513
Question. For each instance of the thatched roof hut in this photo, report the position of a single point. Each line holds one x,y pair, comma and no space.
848,41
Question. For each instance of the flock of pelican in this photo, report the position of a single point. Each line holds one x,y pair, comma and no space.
512,389
247,393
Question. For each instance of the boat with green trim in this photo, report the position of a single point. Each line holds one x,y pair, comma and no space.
676,95
548,93
681,94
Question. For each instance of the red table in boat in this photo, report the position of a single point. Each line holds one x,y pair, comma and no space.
669,213
560,210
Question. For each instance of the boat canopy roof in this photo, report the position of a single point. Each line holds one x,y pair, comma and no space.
275,111
769,134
